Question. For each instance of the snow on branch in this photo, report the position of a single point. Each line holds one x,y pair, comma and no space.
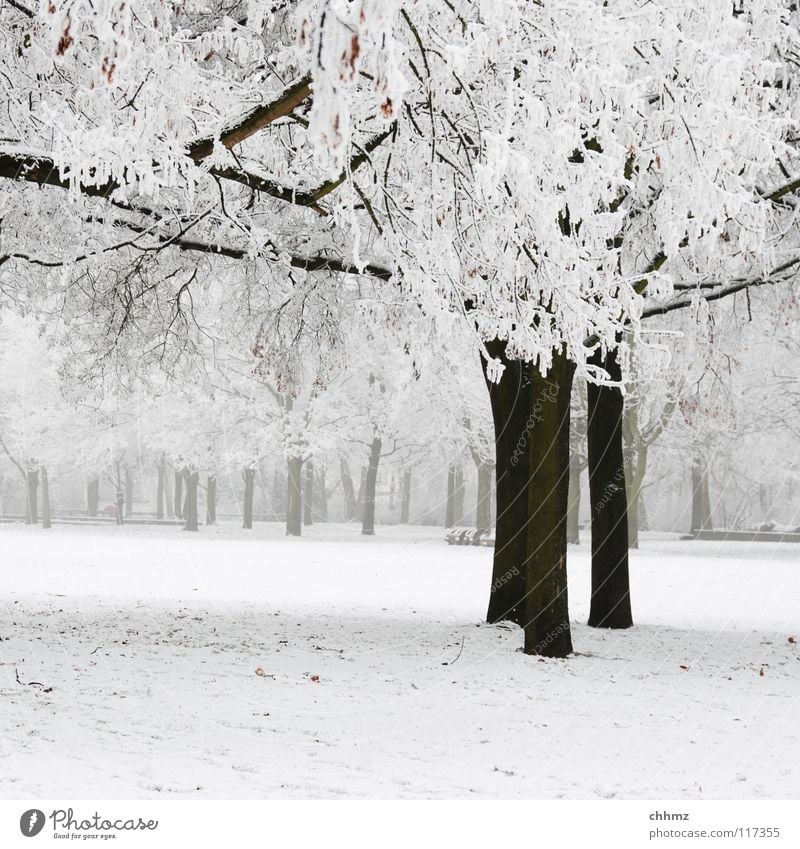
778,274
42,170
305,263
303,197
255,120
20,8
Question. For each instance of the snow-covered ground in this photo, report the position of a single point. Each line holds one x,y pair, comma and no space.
243,665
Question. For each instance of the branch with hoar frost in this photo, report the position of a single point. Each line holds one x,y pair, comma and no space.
776,275
258,118
20,8
316,262
787,189
42,170
305,263
309,197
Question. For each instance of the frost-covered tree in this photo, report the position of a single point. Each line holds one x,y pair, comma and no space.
549,173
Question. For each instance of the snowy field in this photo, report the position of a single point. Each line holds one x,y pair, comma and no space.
225,665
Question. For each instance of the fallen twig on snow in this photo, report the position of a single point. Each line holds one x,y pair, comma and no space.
31,683
450,663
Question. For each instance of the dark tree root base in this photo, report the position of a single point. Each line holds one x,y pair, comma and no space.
620,625
512,617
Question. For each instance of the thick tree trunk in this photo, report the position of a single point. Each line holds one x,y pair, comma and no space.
160,488
610,605
547,627
46,523
405,498
294,502
450,504
349,491
308,495
178,497
701,502
128,492
511,410
483,508
573,509
32,497
190,511
92,496
368,524
249,476
211,500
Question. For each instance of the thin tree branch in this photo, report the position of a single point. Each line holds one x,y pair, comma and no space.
20,8
723,291
306,263
787,189
295,196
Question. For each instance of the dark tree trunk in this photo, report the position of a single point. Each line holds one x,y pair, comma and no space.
160,488
458,497
46,523
483,508
573,510
308,495
178,498
611,593
405,498
511,409
128,493
294,501
32,497
249,476
701,502
211,500
92,497
349,491
547,627
450,504
190,511
368,525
